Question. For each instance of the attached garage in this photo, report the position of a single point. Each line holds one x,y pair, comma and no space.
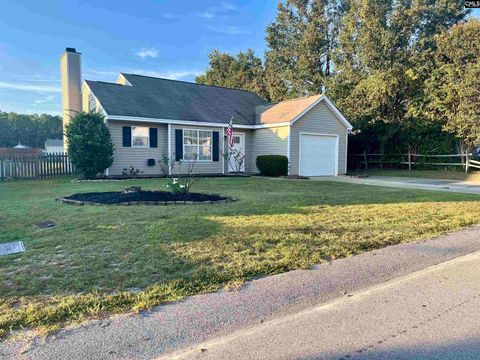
318,154
319,140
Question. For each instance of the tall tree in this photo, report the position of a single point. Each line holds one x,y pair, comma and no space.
453,89
30,130
384,56
300,44
245,71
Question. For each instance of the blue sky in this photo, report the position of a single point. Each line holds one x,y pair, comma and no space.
169,38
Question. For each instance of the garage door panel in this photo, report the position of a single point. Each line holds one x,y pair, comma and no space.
318,155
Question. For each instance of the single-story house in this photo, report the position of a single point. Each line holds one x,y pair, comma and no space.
150,118
53,146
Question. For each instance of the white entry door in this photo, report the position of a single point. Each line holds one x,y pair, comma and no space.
238,148
318,155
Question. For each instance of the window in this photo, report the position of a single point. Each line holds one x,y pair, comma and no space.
140,136
197,145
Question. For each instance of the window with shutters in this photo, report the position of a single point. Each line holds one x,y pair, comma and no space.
140,136
197,145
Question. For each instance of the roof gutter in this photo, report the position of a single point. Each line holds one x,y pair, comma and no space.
193,123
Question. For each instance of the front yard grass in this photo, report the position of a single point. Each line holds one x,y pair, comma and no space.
110,259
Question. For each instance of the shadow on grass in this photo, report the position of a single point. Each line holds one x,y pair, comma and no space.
106,259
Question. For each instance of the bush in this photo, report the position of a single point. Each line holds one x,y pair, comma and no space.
272,165
89,144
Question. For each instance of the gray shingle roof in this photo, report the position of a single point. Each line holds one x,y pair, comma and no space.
54,142
171,99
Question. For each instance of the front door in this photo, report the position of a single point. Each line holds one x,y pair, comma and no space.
236,158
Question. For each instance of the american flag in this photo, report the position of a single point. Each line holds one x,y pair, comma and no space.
230,133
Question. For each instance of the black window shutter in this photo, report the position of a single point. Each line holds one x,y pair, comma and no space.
153,137
127,136
178,144
216,147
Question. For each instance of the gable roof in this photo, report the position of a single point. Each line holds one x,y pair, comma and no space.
54,142
151,97
291,110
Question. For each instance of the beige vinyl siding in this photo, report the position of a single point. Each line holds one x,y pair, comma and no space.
267,141
320,119
201,167
124,157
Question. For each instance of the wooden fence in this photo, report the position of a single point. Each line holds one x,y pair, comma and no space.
36,167
410,160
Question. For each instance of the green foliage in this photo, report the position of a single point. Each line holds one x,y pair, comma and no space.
245,71
90,145
272,165
300,43
30,130
453,89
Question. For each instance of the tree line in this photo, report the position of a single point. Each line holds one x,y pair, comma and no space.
29,130
405,73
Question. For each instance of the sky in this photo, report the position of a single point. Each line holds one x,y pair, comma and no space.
169,38
163,38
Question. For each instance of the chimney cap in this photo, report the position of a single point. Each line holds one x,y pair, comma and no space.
69,49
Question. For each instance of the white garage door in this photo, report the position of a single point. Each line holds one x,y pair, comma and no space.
318,155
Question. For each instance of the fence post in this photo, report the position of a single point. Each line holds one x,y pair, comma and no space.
365,159
466,162
409,160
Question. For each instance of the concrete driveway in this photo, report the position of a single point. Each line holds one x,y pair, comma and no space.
410,183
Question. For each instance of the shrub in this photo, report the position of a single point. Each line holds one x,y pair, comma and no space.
272,165
131,172
89,144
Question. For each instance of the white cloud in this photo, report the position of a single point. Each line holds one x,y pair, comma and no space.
222,8
228,30
30,87
206,14
47,99
147,53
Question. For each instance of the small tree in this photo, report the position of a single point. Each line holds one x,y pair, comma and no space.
90,145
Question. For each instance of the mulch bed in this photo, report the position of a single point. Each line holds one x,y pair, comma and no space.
141,198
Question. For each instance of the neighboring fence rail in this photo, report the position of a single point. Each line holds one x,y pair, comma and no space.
410,160
36,167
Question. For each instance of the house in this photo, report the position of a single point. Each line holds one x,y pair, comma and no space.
53,146
151,117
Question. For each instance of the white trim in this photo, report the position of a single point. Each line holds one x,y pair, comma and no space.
337,144
288,149
198,144
331,106
242,136
192,123
169,149
346,149
223,150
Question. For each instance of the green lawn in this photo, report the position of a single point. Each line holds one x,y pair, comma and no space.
472,176
110,259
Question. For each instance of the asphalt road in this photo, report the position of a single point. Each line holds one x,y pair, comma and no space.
431,314
184,324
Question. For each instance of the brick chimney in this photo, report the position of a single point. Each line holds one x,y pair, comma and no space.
71,77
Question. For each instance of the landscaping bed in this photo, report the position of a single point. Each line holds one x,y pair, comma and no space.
140,198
